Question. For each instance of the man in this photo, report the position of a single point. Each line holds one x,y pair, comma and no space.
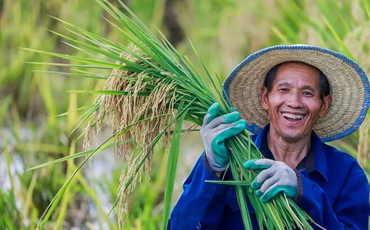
293,98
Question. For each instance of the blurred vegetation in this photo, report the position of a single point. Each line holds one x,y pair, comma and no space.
35,126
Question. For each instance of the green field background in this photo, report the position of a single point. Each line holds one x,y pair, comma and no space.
38,114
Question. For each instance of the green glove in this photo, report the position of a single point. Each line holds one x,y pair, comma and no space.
214,131
277,177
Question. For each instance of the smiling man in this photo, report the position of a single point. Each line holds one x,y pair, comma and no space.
293,98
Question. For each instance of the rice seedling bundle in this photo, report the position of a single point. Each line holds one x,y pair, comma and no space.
150,92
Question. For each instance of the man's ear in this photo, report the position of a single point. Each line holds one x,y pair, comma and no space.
264,98
325,106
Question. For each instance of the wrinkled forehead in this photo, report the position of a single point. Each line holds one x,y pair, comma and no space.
296,74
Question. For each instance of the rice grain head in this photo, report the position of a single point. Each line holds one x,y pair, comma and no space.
121,111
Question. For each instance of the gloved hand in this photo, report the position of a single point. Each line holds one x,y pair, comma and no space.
214,131
277,177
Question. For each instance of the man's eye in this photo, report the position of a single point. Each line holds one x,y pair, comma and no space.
307,93
283,90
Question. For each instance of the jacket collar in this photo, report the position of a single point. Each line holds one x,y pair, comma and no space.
317,148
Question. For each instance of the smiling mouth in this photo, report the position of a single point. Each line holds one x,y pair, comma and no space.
293,117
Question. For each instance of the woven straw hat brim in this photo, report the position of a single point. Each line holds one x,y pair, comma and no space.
349,87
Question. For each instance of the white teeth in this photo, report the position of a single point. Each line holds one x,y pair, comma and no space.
293,116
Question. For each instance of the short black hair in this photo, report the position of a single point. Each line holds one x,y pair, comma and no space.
323,81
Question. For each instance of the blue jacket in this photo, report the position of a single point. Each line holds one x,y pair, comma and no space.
333,190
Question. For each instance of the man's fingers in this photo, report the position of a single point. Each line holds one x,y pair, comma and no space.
225,119
228,130
265,162
205,119
271,192
276,189
231,128
216,122
258,164
213,111
261,177
236,128
222,127
267,184
231,117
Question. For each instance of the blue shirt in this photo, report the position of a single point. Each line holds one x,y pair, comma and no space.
334,191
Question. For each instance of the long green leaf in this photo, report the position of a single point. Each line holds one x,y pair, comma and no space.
241,183
81,59
78,155
171,169
96,76
338,39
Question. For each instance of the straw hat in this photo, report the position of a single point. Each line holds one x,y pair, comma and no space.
349,87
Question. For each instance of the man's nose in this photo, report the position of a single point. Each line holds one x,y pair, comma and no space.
294,100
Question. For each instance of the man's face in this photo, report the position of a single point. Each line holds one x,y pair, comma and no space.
294,104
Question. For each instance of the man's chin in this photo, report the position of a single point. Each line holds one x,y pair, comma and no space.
292,137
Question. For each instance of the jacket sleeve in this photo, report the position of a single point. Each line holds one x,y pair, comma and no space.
349,211
201,204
